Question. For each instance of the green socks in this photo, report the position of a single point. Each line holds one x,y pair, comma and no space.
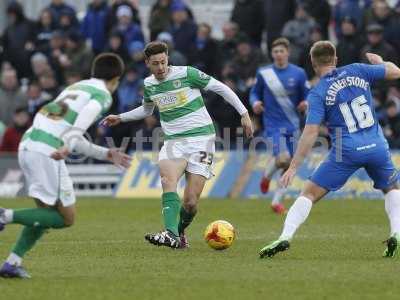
38,217
27,240
170,211
185,219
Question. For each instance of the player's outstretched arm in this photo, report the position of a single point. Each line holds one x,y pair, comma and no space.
85,119
136,114
226,92
83,146
306,142
392,72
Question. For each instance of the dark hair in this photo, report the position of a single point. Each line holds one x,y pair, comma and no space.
390,104
107,66
21,109
154,48
281,42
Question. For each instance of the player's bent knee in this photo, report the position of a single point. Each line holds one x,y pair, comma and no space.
168,183
313,191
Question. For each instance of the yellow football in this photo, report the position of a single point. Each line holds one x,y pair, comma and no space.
219,235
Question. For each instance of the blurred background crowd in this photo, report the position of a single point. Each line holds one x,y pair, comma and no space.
38,58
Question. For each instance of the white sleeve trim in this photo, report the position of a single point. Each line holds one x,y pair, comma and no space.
138,113
225,92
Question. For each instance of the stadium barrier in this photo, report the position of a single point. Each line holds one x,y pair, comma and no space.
89,179
237,174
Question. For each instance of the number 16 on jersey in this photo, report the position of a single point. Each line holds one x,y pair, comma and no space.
362,112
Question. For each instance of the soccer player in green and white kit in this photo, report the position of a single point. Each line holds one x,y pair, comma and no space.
57,130
188,132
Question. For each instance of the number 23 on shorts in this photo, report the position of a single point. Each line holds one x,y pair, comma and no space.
206,158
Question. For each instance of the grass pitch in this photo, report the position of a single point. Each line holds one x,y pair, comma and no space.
336,255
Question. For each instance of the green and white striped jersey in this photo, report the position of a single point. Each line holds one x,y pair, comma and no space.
57,117
179,101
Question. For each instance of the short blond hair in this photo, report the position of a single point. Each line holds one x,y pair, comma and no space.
281,42
323,53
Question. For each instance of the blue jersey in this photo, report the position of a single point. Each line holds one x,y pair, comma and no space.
342,99
281,90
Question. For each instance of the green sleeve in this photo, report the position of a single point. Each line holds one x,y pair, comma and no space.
197,78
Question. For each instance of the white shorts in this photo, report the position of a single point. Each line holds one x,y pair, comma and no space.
47,179
197,151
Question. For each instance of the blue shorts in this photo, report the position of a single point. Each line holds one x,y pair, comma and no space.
280,142
332,174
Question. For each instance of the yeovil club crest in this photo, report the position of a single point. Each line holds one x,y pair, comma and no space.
177,84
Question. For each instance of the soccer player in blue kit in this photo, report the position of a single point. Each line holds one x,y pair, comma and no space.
342,99
281,88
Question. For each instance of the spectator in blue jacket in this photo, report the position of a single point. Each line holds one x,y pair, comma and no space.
349,9
137,56
129,90
183,29
94,24
129,30
58,8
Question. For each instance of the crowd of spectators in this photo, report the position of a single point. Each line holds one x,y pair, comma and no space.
40,57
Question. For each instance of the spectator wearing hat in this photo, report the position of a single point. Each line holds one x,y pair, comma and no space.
176,58
115,45
298,32
59,8
78,57
113,18
160,18
204,55
66,22
18,39
94,23
248,14
182,29
130,31
381,13
136,55
13,134
376,43
348,8
44,29
350,42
